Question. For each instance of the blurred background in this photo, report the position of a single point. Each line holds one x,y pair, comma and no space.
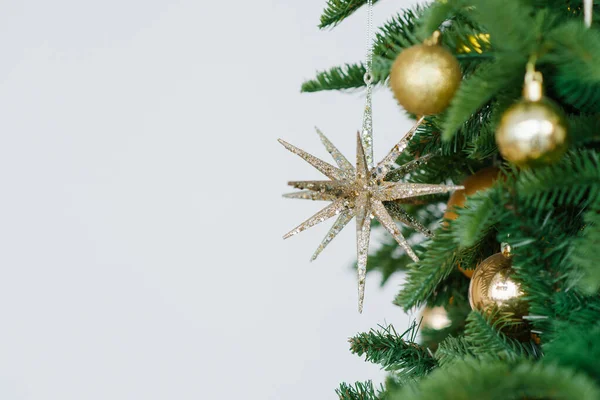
141,214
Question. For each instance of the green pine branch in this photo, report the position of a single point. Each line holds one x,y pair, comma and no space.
434,279
338,10
517,37
481,212
574,180
435,15
350,76
398,33
478,89
483,145
436,264
486,338
541,242
576,348
584,129
572,309
584,254
394,352
449,161
389,40
347,77
473,379
388,258
360,391
453,349
575,54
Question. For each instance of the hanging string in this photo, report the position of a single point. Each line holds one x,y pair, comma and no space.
369,51
587,12
367,126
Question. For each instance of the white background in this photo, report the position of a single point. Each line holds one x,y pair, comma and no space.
140,211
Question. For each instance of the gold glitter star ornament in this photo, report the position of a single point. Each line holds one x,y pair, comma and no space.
360,191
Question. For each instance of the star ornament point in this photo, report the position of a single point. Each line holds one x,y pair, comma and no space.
362,192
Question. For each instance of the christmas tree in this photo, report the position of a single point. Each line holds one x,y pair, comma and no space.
509,280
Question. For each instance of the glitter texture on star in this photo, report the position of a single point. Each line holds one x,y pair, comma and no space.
360,192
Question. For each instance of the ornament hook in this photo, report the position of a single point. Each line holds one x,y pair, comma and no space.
533,90
434,39
506,250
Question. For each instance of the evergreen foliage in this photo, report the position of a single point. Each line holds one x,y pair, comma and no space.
437,264
359,391
388,258
576,348
338,10
395,35
486,338
453,349
584,254
549,214
470,379
350,76
399,353
478,217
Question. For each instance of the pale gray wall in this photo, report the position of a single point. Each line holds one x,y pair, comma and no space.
140,212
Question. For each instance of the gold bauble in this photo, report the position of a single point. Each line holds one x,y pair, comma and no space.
533,131
493,286
424,78
481,180
435,318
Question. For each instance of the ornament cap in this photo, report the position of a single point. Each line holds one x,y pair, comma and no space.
506,250
533,90
434,39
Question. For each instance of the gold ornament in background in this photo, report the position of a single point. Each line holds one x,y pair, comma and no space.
425,77
435,318
533,131
360,191
477,43
493,285
481,180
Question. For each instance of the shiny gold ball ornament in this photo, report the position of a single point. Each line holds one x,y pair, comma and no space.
493,285
425,77
533,131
